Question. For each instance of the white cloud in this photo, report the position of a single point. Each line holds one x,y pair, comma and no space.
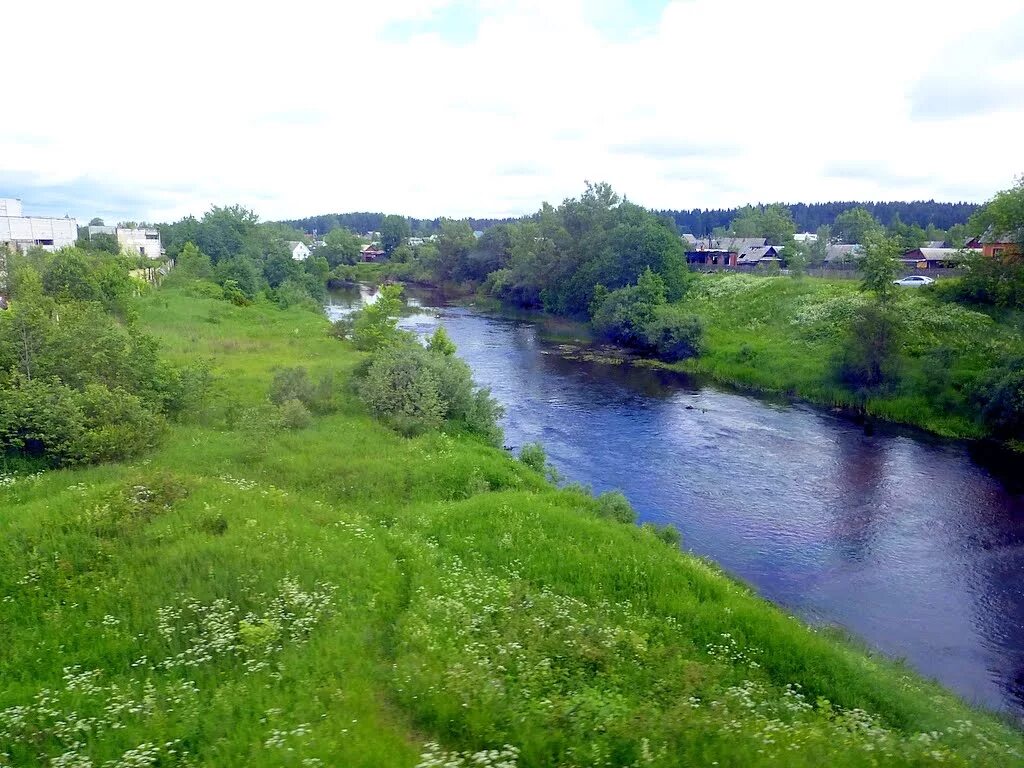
317,108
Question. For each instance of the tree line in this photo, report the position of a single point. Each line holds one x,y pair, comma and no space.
808,217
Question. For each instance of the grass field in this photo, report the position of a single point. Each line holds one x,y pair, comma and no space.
343,596
776,334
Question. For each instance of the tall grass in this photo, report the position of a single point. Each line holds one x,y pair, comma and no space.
342,595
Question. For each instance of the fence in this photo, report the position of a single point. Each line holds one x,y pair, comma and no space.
835,272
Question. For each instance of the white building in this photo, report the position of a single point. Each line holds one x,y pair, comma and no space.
139,242
24,232
415,242
299,251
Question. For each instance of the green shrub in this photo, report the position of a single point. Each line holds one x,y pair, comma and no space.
673,334
416,389
291,384
294,415
614,506
869,359
534,456
47,419
667,532
1001,398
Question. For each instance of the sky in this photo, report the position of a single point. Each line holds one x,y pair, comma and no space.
152,111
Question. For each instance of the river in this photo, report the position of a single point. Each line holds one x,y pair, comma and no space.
913,544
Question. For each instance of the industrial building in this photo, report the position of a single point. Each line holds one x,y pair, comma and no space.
142,242
23,232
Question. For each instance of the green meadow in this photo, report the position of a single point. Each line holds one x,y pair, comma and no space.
341,595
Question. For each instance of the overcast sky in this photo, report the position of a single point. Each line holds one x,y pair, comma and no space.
153,110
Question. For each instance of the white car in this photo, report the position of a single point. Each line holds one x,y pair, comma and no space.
914,281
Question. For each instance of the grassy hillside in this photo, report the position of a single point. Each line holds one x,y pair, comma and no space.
778,334
340,595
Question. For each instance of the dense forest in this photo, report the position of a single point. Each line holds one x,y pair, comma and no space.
371,222
808,217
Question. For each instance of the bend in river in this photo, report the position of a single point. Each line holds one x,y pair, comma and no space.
908,542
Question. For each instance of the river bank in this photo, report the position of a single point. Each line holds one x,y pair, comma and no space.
337,594
779,336
821,517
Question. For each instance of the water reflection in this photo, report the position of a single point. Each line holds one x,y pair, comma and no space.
914,544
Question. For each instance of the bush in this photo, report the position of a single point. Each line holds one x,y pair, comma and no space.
294,415
401,388
291,384
416,389
674,335
534,456
1001,398
614,506
47,419
666,532
869,359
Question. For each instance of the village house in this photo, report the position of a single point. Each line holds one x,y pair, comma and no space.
998,246
21,232
415,242
759,255
370,253
838,254
299,251
934,258
727,252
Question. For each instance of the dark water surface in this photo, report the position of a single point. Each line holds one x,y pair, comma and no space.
911,543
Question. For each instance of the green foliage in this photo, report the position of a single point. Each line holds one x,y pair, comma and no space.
343,596
441,343
870,358
293,414
393,231
193,263
639,316
879,266
45,419
614,506
341,247
674,334
855,225
1001,396
1003,215
291,384
417,390
376,325
534,456
666,532
773,222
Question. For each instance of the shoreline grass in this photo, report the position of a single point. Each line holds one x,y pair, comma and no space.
342,595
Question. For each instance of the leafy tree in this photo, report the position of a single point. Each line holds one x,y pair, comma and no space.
341,247
454,245
68,276
376,325
1003,215
773,222
908,236
855,225
879,266
96,222
394,230
194,263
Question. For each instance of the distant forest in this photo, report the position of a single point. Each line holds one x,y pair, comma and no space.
807,217
371,222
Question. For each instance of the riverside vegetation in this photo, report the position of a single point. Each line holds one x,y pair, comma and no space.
947,358
325,559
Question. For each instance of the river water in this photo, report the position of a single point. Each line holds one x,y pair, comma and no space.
915,545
